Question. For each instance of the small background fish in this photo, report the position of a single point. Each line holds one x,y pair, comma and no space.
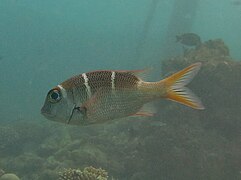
236,3
189,39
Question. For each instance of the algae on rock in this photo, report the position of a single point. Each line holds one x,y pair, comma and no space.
89,173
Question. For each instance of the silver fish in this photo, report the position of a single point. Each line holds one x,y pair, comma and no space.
101,96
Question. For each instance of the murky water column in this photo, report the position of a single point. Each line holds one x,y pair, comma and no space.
146,29
181,21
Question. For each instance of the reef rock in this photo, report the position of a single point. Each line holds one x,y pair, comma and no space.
9,176
217,84
89,173
1,172
9,139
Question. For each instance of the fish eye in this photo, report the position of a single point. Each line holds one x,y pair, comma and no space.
54,96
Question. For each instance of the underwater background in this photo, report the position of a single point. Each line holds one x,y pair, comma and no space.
45,42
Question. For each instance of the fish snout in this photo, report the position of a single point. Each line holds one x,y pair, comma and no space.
45,110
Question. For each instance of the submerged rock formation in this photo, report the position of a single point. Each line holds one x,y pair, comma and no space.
218,85
9,176
2,172
89,173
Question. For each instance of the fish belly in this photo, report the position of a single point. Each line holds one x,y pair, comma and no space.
115,104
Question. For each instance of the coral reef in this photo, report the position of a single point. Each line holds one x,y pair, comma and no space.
9,176
89,173
2,172
17,136
217,85
8,138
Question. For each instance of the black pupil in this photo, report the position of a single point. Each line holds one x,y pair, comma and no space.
55,95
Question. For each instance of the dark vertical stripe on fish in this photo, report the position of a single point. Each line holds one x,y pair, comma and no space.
125,80
99,79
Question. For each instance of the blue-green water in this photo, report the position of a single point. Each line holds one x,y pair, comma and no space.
45,42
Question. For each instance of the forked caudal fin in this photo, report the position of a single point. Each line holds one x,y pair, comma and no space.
176,90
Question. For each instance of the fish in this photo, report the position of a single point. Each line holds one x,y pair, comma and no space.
236,3
103,96
189,39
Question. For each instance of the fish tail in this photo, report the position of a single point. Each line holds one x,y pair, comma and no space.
175,89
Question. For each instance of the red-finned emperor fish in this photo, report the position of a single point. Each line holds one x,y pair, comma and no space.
100,96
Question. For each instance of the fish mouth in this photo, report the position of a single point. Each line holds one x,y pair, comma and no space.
46,113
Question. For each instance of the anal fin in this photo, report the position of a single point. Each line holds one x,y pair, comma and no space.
147,111
144,114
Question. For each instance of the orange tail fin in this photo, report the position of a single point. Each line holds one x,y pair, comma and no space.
176,89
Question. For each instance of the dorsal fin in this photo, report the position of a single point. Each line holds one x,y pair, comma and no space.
141,73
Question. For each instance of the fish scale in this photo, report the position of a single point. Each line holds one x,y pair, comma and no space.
115,104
